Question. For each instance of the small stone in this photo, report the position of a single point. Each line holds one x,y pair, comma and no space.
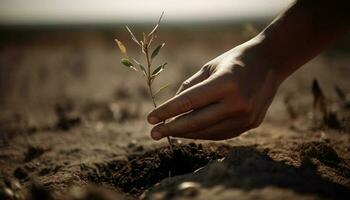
176,141
324,137
189,189
132,144
221,159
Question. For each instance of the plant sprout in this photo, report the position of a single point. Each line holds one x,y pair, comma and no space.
148,72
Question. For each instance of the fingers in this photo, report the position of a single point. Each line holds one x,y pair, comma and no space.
202,94
193,121
223,130
198,77
217,135
212,131
229,128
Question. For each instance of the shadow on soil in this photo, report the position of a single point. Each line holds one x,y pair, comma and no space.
246,168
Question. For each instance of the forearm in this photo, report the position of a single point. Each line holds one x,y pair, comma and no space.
301,32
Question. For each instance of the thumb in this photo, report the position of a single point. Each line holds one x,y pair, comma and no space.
198,77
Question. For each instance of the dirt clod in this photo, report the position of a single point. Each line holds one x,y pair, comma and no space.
319,150
33,152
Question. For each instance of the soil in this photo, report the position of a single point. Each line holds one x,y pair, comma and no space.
72,124
247,168
140,172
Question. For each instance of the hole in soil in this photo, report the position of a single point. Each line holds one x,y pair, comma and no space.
138,173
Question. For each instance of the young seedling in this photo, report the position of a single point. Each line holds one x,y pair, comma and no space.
148,72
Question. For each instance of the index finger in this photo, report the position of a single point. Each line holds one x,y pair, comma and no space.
195,97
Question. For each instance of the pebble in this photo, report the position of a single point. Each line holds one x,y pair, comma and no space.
189,188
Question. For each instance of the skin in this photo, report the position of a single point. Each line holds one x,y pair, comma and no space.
232,93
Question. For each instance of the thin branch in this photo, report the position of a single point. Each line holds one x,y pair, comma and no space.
149,83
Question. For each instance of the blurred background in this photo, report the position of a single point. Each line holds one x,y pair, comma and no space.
65,12
58,51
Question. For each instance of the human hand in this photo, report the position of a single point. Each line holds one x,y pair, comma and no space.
226,97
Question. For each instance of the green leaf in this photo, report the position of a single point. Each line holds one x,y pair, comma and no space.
141,67
126,62
158,70
161,89
156,50
121,46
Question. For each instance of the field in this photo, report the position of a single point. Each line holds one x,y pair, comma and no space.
72,123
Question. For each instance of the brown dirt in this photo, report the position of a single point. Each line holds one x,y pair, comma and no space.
246,168
140,172
72,125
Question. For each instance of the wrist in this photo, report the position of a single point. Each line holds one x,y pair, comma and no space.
263,59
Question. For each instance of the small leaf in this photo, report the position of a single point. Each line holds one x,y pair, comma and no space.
141,67
121,46
132,36
161,89
157,25
153,30
127,63
156,50
158,70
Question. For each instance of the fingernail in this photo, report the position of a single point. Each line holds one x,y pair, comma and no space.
153,120
156,135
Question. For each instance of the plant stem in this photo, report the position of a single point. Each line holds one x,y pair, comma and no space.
149,83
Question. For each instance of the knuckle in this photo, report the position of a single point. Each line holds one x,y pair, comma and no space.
186,103
185,84
206,67
230,84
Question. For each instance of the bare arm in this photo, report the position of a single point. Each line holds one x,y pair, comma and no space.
303,31
231,94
